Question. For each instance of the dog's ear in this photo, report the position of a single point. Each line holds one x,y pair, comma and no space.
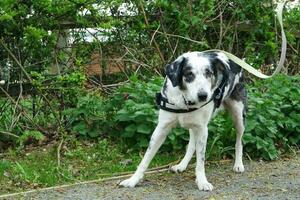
174,71
219,66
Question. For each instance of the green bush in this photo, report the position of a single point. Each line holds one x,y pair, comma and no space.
272,125
87,117
273,122
136,114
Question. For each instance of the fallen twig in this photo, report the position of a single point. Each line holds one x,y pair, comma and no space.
10,134
121,175
58,152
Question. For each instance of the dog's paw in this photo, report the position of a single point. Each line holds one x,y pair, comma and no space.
205,186
178,168
239,168
130,183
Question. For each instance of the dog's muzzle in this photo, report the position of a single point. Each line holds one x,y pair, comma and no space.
202,96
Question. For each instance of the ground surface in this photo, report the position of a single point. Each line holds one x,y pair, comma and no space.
261,180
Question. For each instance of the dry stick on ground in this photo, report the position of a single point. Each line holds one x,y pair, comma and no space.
167,166
58,152
79,183
9,134
122,175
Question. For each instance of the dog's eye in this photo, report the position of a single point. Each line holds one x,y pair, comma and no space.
208,73
189,76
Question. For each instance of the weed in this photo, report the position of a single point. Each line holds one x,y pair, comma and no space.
80,161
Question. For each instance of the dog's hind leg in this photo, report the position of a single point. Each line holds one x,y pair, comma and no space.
166,122
237,110
188,155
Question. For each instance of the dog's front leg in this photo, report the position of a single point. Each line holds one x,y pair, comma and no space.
188,155
201,139
157,139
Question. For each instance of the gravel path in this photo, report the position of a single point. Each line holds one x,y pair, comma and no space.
261,180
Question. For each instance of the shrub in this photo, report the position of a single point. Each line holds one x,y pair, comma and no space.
87,117
272,126
273,121
136,115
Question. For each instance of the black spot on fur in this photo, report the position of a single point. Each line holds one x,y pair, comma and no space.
189,76
239,92
209,72
231,79
241,80
217,67
174,72
235,68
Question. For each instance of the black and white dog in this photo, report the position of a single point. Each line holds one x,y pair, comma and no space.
196,85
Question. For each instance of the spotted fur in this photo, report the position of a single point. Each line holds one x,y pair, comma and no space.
195,77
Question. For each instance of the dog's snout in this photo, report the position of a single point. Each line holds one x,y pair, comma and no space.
202,96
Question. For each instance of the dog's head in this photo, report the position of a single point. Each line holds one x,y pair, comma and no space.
197,74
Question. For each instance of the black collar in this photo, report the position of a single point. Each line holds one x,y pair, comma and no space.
164,104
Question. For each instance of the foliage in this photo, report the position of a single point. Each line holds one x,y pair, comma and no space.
272,124
30,135
136,117
273,120
33,31
88,116
130,114
139,41
85,160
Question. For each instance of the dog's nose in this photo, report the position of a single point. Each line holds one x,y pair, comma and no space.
202,96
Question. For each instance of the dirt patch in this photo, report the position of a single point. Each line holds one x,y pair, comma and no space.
261,180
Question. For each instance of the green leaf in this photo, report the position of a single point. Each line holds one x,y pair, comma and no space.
248,138
143,142
80,128
143,128
93,133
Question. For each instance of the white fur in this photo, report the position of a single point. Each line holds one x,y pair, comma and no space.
195,121
198,64
236,108
168,120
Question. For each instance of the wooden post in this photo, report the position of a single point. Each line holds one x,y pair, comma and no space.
61,45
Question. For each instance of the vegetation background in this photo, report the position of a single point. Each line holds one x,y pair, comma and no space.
81,77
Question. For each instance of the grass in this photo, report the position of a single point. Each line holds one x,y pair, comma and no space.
79,161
